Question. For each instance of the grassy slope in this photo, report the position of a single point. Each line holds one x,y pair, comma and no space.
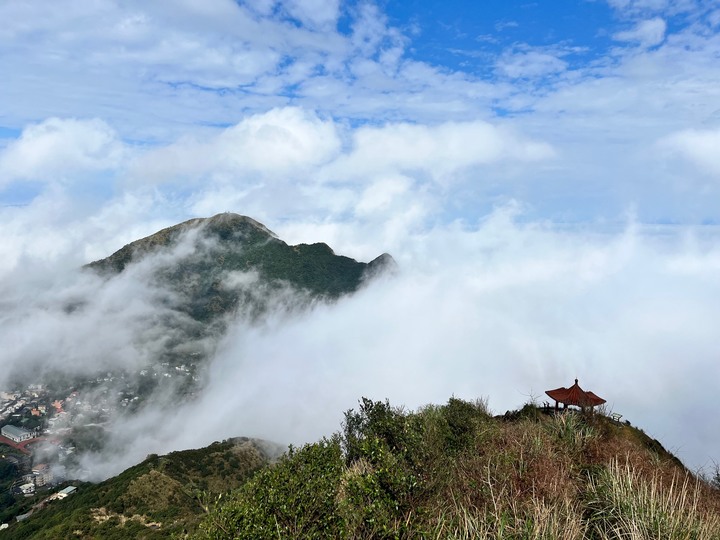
455,472
161,497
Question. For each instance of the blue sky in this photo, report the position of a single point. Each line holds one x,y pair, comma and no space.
468,36
521,160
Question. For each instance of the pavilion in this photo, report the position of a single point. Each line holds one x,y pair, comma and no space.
575,396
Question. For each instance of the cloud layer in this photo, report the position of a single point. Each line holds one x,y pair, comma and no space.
503,310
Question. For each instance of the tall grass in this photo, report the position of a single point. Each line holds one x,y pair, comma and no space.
572,429
510,519
623,504
620,503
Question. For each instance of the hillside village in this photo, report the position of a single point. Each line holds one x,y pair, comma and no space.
45,413
32,428
43,428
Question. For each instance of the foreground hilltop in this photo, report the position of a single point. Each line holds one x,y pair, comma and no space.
450,471
454,471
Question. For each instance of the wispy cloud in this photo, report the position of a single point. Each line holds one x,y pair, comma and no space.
530,64
636,8
700,147
647,33
504,25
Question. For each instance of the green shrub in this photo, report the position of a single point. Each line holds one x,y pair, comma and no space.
463,419
374,420
296,498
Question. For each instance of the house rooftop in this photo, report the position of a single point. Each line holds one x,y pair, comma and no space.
14,431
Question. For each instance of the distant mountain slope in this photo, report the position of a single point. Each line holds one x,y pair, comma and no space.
158,498
203,259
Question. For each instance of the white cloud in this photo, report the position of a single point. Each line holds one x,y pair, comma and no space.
530,64
639,4
370,29
57,232
382,193
314,13
504,25
501,310
440,150
495,311
208,63
701,147
278,142
669,7
58,147
262,7
647,33
714,18
137,59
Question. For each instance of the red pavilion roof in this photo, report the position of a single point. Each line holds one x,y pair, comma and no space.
575,396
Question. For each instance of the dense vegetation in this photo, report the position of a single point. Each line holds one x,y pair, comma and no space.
162,497
8,475
455,472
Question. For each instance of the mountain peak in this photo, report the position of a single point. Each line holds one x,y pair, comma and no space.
230,219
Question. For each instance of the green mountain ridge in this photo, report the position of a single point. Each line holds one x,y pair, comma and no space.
230,243
201,275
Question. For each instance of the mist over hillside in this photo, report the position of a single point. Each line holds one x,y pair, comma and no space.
125,343
503,309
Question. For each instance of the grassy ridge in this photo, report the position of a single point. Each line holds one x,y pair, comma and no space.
455,472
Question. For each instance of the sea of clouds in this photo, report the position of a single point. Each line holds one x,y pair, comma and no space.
502,309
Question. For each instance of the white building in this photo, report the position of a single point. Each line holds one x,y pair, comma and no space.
16,434
65,492
43,474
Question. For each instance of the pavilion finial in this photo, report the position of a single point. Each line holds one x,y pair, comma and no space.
575,381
